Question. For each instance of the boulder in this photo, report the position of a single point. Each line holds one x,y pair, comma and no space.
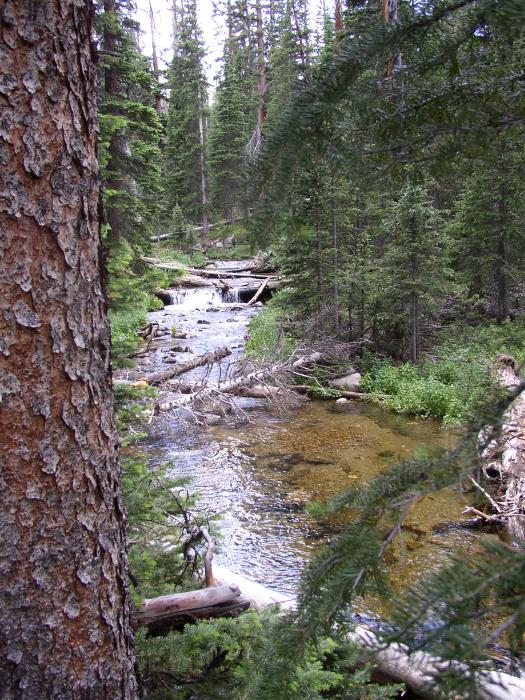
229,241
351,382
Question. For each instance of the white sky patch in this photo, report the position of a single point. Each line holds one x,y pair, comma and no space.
212,29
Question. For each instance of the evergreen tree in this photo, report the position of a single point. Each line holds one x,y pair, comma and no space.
130,159
488,228
227,140
130,131
412,274
184,165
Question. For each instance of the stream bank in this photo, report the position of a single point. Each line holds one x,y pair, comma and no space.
260,475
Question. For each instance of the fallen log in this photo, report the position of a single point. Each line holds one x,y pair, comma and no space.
247,380
258,292
173,611
207,359
193,271
503,458
165,606
417,670
257,392
305,388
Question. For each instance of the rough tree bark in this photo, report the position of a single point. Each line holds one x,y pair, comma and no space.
64,610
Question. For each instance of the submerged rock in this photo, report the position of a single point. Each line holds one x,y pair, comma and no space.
352,382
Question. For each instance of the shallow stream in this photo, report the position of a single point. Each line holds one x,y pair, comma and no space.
259,476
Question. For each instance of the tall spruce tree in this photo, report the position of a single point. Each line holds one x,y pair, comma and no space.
413,270
488,228
185,166
130,136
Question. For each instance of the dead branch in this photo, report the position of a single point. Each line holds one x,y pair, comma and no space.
258,292
246,380
207,359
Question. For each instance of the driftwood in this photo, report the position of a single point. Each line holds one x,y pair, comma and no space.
416,670
305,388
178,609
207,359
258,292
503,457
246,380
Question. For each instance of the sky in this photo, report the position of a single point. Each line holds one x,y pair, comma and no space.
212,29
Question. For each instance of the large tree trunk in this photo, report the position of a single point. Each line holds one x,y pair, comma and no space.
64,612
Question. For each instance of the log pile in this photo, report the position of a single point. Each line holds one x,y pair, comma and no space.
243,381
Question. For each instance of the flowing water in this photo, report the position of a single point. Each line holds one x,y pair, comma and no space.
259,476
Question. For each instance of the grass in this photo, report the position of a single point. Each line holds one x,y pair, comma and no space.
449,384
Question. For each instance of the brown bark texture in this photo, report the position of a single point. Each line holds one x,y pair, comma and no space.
64,603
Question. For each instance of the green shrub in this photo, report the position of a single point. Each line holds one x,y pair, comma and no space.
194,259
449,384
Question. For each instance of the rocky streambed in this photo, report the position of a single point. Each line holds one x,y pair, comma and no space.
259,475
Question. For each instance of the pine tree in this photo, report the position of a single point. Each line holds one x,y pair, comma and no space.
228,136
413,272
487,228
185,164
130,131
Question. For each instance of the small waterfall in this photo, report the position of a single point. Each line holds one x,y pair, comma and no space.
195,298
231,296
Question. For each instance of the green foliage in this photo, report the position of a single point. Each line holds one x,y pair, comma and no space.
159,506
267,335
130,297
182,231
130,132
323,393
190,259
184,149
221,659
450,385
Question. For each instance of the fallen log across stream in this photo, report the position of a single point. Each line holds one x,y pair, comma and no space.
417,670
207,359
245,380
208,273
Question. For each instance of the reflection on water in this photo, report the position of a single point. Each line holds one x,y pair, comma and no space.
260,476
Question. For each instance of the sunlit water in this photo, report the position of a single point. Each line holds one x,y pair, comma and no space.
259,476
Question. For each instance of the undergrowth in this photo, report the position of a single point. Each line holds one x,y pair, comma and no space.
194,259
269,337
448,384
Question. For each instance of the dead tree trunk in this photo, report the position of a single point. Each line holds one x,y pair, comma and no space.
63,573
503,458
173,611
207,359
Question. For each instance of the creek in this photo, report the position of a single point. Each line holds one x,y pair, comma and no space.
259,476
